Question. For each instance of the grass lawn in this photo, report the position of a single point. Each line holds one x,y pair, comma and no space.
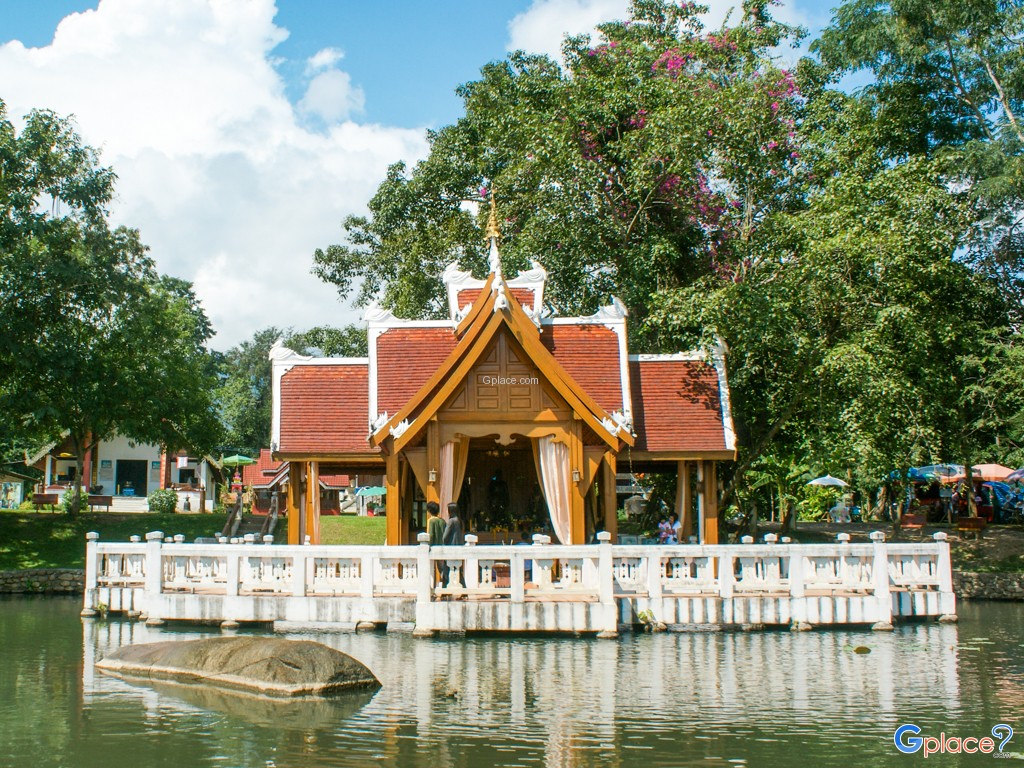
349,529
48,540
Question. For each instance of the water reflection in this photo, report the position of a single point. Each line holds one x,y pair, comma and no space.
714,699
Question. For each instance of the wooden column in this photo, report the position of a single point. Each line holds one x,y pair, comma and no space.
294,502
684,501
434,463
709,491
392,502
609,502
165,468
577,516
313,502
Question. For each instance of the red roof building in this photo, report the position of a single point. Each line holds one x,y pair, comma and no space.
519,418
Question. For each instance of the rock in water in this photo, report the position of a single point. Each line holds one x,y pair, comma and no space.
268,665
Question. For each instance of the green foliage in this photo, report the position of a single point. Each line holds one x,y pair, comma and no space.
163,501
857,255
648,162
95,342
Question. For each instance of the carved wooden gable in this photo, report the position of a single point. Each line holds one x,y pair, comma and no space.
504,381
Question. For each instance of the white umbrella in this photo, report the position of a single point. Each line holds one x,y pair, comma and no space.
828,480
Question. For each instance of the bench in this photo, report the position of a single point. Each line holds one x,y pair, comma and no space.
44,500
975,525
913,522
98,500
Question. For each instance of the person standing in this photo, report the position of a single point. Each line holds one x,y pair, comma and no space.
455,535
435,536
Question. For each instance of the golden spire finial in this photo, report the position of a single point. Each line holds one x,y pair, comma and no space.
492,230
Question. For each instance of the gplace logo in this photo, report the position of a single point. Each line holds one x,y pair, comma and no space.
908,741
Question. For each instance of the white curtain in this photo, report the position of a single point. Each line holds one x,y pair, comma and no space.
447,475
553,459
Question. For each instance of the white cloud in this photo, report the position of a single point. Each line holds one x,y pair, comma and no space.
542,27
215,167
324,59
331,96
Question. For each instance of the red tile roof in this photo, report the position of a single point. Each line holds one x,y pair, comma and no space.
261,474
406,358
590,354
334,481
676,406
324,409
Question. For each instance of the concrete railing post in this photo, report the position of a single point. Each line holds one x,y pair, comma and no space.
880,581
471,572
517,575
797,590
368,565
606,586
947,598
232,571
726,576
424,588
154,577
300,571
92,569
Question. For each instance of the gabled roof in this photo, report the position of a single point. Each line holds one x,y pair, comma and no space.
493,311
266,472
405,358
681,405
323,410
591,354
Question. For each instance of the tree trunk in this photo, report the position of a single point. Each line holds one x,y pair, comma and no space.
751,521
76,492
972,506
878,511
788,516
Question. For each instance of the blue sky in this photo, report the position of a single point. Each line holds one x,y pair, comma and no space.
244,131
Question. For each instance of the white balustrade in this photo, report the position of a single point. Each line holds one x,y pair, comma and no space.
336,575
656,575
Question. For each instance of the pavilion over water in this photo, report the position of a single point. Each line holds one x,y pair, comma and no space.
521,418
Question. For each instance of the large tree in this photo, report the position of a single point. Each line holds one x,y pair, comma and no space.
96,341
844,259
649,160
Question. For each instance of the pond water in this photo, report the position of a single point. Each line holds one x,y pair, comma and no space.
710,699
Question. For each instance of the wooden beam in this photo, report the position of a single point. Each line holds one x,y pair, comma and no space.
684,501
368,459
609,501
674,456
434,463
313,503
392,506
577,502
710,491
294,497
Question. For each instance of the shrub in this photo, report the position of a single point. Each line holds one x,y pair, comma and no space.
163,502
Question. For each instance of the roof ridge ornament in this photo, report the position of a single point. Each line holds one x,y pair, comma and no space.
493,233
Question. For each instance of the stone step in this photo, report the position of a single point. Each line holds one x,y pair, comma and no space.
129,504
